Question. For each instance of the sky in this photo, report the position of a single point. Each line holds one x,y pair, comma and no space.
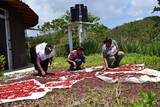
112,13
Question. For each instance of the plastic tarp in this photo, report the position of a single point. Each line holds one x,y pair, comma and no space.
33,89
28,89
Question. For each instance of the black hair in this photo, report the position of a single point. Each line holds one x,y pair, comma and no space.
109,40
49,47
80,48
104,41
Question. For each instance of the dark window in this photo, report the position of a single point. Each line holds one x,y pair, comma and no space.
2,12
3,47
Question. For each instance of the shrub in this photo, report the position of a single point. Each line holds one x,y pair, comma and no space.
2,62
147,99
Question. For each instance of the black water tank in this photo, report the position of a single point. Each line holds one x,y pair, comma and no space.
74,14
79,13
84,14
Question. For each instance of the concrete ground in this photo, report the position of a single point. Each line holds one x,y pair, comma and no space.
27,69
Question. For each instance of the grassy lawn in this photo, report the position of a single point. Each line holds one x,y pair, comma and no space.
96,59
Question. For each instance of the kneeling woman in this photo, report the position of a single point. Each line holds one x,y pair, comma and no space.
41,56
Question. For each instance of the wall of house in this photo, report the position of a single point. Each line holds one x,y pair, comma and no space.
17,33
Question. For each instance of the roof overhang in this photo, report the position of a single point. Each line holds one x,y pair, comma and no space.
29,17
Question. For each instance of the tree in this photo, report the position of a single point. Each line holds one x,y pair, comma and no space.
157,8
57,34
60,24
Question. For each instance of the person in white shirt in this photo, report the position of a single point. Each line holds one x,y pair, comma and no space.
41,56
111,54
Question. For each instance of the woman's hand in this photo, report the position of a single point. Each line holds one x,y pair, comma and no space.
43,73
74,63
105,68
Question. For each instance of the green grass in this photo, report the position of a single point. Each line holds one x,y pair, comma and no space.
96,59
149,61
91,60
59,62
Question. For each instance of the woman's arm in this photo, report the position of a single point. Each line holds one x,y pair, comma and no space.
51,60
69,60
105,63
39,66
114,50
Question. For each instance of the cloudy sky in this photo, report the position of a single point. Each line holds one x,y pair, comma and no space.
111,12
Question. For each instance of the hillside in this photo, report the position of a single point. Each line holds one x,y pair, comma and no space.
142,36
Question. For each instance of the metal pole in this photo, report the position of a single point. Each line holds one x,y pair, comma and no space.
84,34
80,34
70,39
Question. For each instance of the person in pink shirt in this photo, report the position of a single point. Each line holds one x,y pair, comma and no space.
76,58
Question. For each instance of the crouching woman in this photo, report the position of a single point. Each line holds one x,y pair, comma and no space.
76,58
41,56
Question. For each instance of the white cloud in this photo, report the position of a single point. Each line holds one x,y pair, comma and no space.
50,9
111,12
140,18
141,7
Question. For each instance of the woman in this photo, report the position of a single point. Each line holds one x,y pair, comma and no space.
76,58
111,54
41,55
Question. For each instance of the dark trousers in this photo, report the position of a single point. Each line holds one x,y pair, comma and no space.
44,64
114,61
78,64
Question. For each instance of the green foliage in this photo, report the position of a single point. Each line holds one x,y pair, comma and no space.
59,62
2,63
147,99
149,61
91,60
136,105
157,8
96,59
139,36
62,49
55,33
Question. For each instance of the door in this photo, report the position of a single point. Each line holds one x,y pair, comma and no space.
3,46
5,43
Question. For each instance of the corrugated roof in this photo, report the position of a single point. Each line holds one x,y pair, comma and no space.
29,17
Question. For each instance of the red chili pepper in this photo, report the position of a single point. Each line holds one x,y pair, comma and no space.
58,74
125,68
63,83
19,89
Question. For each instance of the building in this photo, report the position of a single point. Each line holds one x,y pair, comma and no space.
15,18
